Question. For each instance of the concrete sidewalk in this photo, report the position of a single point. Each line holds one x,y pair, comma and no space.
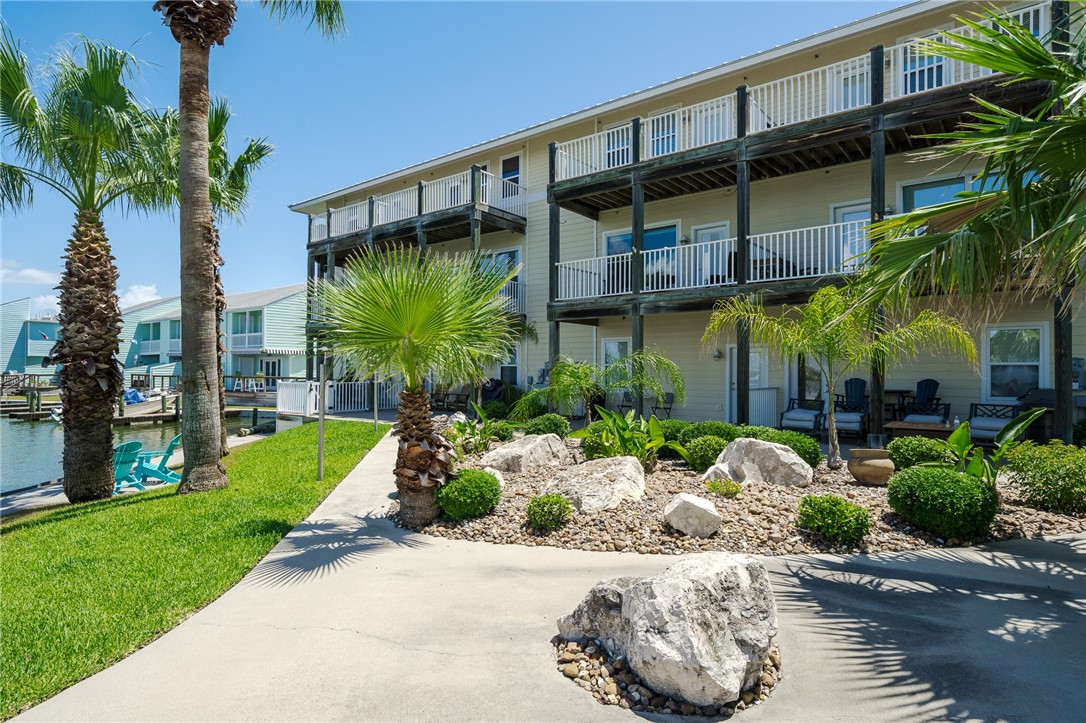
350,618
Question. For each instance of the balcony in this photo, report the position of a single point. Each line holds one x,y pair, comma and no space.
800,98
515,295
253,342
805,253
461,191
174,347
150,347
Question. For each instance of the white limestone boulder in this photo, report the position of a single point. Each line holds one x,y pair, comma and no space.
497,475
533,450
692,515
698,631
601,484
752,460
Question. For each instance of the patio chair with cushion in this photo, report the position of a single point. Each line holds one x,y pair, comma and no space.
925,392
803,415
850,417
855,389
665,406
931,413
985,420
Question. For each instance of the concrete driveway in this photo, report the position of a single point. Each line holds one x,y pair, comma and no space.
350,618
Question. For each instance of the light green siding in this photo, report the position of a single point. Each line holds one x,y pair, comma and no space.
12,338
129,351
284,324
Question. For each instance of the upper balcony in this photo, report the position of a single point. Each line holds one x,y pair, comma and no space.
443,208
253,342
150,347
699,141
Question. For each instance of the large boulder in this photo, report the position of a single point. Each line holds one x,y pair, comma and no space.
752,460
601,484
698,631
530,451
692,515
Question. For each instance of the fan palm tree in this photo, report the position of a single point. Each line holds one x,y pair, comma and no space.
1024,228
837,334
83,135
197,25
231,179
394,314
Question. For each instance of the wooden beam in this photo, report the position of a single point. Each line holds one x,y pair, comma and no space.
582,209
1064,414
554,341
637,238
637,341
742,373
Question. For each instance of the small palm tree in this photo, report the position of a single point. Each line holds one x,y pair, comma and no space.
85,137
197,25
394,314
837,335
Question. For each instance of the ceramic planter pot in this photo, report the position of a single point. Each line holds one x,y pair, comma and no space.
870,466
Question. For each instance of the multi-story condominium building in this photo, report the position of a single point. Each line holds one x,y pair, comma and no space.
264,330
25,342
632,217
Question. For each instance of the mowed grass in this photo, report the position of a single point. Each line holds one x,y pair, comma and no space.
82,586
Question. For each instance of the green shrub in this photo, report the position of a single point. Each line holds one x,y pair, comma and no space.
472,493
502,431
1050,476
673,428
549,512
724,487
908,452
807,447
834,518
495,409
1078,433
941,500
548,424
702,452
723,430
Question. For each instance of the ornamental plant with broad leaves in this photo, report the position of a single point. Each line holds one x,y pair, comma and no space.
970,459
616,435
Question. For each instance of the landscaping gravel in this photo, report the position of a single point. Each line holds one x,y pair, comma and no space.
760,520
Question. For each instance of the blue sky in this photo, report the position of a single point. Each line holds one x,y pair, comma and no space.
408,82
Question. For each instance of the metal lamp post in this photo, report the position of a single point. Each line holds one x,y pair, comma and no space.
322,376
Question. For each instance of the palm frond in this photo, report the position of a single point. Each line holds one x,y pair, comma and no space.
326,15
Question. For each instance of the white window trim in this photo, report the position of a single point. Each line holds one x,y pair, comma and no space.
985,368
969,177
604,235
702,226
835,207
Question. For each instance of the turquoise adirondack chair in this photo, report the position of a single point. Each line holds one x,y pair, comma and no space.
124,463
148,467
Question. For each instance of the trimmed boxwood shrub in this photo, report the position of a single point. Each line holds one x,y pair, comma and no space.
834,518
1050,476
941,500
549,512
703,451
472,493
548,424
495,409
808,448
908,452
672,429
723,430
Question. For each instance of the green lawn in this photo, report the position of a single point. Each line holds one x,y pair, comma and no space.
85,585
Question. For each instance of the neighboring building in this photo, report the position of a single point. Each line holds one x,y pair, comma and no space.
265,334
25,342
631,218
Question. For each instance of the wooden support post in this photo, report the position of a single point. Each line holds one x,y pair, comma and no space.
877,78
637,344
476,184
801,376
420,234
330,264
420,239
877,394
742,373
328,224
555,342
742,192
476,231
371,211
555,231
635,141
637,235
1064,415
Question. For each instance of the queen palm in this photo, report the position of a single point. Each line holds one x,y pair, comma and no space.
837,335
393,314
84,136
197,25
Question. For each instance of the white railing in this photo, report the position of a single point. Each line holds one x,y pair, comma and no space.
318,227
239,342
690,266
598,152
175,346
297,398
589,278
448,192
807,252
346,397
514,295
504,194
691,127
763,407
396,206
150,346
811,94
349,219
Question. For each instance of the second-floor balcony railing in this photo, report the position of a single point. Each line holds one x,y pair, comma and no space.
175,346
438,195
779,256
514,293
247,342
805,96
150,347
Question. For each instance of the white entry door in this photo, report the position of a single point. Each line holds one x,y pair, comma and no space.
759,374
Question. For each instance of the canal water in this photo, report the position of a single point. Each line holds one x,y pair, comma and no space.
31,452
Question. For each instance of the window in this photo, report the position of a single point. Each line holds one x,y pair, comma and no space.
617,139
1015,358
929,193
922,72
511,169
255,319
237,323
851,240
175,329
615,350
509,370
662,237
713,261
156,332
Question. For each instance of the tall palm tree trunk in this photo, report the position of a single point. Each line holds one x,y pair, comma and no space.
422,462
90,377
220,346
200,378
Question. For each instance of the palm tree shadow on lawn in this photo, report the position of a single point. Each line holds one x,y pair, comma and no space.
324,547
930,638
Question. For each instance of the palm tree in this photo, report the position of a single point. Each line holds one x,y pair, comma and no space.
231,180
837,334
85,137
582,382
197,25
394,314
1025,232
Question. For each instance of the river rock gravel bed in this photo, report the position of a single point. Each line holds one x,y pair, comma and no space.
760,520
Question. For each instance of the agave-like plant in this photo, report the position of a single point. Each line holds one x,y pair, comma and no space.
393,313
